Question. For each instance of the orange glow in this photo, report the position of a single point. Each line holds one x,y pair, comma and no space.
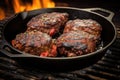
48,4
19,6
2,14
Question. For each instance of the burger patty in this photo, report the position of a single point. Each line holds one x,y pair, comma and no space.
75,43
88,25
35,42
49,23
79,36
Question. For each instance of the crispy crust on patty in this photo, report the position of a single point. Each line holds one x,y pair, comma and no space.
47,21
33,42
88,25
76,43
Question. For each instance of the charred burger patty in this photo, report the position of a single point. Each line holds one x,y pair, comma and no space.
49,23
88,25
75,43
35,42
78,37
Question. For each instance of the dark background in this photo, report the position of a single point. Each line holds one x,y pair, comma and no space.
112,5
107,4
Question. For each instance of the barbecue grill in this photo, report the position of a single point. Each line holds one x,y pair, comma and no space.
107,68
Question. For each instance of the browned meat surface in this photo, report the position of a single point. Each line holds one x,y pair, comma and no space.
79,36
48,22
36,43
88,25
75,43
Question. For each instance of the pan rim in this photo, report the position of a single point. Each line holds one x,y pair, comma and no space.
81,56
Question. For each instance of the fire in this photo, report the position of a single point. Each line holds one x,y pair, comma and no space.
48,4
20,6
2,14
25,5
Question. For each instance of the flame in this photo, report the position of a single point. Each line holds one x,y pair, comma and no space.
2,14
48,4
19,6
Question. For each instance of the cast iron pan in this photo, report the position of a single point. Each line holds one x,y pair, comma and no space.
17,24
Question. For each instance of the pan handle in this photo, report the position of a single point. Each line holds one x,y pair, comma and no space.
13,55
102,12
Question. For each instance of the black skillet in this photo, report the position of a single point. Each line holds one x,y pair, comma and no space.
17,24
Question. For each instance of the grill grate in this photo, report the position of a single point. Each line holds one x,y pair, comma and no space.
106,69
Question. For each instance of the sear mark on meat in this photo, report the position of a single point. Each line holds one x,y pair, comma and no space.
36,43
88,25
77,43
47,21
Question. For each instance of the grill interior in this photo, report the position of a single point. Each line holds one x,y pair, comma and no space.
106,68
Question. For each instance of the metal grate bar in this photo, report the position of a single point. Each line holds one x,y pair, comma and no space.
15,70
8,75
107,64
111,61
101,74
115,53
116,50
69,76
106,69
86,76
111,56
7,60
